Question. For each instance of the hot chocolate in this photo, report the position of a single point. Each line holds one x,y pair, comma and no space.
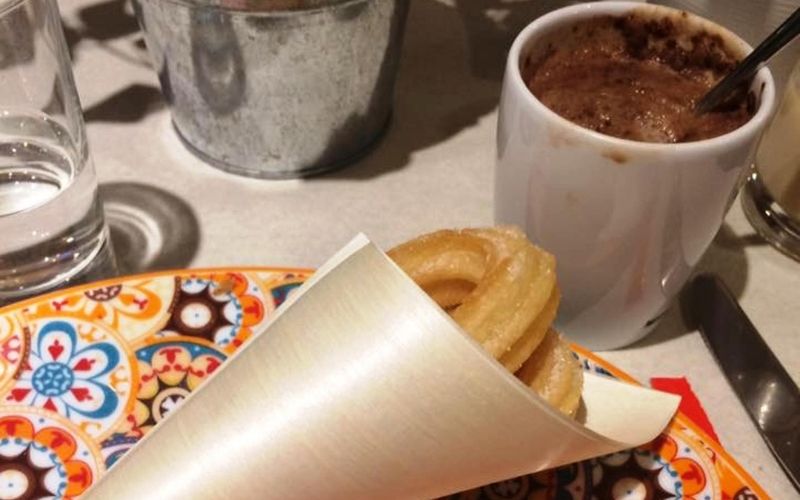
637,78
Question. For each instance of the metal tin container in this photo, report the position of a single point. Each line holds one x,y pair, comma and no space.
276,88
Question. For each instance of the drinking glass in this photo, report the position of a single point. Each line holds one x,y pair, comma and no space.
52,230
771,196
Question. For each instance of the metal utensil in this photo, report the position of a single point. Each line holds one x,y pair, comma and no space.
765,389
784,34
264,90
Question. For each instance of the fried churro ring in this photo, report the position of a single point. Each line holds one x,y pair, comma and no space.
554,373
450,293
514,358
512,281
502,291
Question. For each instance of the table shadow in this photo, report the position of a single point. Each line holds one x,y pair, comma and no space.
127,105
151,229
450,72
491,26
727,259
102,22
108,20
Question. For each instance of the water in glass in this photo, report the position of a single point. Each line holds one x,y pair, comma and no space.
49,209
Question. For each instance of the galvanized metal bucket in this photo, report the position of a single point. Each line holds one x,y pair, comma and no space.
276,88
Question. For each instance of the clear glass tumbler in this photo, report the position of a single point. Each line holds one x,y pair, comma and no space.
771,196
52,230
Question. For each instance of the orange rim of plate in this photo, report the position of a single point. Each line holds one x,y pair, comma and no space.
153,274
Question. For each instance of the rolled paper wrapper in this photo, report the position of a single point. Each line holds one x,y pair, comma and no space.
362,387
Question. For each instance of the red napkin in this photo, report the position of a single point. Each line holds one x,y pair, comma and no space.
690,405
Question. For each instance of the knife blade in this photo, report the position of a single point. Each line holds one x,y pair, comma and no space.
761,383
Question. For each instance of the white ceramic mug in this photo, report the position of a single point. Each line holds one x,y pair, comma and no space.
627,220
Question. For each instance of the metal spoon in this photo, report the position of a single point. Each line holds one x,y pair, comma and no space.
784,34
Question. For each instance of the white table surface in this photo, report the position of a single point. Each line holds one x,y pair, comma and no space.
432,170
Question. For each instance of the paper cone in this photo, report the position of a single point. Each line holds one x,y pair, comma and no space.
362,387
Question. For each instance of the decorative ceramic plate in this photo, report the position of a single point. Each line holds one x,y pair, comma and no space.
85,373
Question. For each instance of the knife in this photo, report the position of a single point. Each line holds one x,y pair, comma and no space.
759,380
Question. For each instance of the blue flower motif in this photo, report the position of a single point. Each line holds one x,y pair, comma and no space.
67,375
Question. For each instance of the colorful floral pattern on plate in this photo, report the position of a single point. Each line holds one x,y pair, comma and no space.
43,455
87,372
682,463
77,369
